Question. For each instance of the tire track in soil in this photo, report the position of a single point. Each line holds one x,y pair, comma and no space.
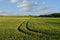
25,23
40,31
29,33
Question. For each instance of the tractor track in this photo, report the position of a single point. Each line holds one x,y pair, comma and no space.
28,32
31,30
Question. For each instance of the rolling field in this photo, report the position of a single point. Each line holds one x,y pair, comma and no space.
29,28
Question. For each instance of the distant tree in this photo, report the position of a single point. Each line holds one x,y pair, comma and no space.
51,15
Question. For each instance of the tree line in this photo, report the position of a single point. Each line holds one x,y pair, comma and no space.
51,15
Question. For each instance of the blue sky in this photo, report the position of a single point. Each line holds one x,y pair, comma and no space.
28,7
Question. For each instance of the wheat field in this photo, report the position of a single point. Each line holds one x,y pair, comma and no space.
29,28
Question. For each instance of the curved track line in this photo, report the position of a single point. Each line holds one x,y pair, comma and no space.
30,33
42,31
25,30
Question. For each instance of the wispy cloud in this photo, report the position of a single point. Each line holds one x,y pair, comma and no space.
6,13
26,6
44,7
14,1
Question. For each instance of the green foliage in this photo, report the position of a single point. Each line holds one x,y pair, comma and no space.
29,28
51,15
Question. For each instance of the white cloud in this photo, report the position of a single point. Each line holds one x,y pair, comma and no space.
43,7
14,1
7,13
26,10
26,6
